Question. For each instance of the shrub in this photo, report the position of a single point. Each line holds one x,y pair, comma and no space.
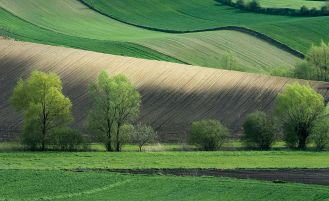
320,134
253,5
143,135
305,71
66,139
125,136
31,136
209,135
304,10
259,131
282,72
240,4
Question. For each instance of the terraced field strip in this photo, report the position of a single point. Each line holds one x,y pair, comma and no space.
253,55
70,23
173,94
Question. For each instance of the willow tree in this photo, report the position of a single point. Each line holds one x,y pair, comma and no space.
318,58
298,107
115,102
43,105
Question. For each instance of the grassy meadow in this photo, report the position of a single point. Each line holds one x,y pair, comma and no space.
63,185
169,159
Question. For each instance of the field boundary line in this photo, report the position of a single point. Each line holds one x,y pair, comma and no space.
245,30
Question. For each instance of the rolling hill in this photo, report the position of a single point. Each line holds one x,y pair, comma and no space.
71,23
201,15
173,95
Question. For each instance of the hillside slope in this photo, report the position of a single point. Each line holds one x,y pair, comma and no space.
70,23
173,94
198,15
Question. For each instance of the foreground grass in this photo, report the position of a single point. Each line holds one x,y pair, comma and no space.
61,185
135,160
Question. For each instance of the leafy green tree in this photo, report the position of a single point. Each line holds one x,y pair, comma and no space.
259,131
143,135
320,132
66,139
240,4
229,61
254,5
208,134
297,108
126,132
318,58
115,102
43,105
306,71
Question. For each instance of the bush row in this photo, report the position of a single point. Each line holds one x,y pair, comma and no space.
299,118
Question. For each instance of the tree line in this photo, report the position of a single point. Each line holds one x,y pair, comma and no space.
115,104
299,117
254,6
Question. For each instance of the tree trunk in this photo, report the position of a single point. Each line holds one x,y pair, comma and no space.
43,143
44,121
117,139
109,146
108,143
302,139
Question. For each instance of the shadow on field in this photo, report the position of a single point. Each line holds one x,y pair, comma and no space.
168,106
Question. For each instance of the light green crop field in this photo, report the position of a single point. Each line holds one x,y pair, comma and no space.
209,46
61,185
295,4
136,160
296,32
70,23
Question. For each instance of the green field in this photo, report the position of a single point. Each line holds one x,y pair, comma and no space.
61,185
70,23
135,160
194,15
197,32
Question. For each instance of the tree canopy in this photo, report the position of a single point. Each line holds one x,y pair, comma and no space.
115,102
43,105
297,108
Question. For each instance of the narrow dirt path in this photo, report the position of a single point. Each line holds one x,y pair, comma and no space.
305,176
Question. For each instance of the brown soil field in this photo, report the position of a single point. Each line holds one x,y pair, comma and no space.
306,176
173,95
